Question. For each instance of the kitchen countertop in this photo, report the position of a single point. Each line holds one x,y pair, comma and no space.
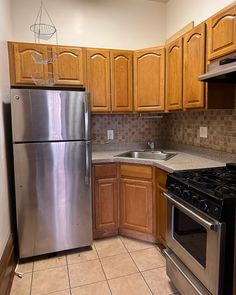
182,161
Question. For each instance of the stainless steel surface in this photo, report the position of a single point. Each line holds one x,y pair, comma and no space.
212,274
49,115
52,163
181,277
53,196
213,225
220,72
151,145
155,155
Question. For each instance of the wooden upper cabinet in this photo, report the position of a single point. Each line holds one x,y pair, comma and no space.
194,65
68,65
221,33
149,77
121,80
22,65
98,79
174,75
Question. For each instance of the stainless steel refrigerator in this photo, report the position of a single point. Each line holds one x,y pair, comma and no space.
52,164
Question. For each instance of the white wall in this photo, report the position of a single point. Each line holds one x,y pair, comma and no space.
180,12
5,34
127,24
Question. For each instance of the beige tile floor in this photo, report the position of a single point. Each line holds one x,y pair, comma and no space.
118,266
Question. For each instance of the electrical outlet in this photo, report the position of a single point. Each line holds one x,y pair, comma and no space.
110,134
203,132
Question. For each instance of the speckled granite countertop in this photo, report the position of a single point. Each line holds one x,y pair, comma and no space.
181,161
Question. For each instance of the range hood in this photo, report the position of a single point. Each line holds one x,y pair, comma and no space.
222,70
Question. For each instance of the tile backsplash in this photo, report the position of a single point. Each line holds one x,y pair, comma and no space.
127,128
184,128
178,127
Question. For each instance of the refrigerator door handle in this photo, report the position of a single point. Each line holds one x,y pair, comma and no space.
86,118
87,163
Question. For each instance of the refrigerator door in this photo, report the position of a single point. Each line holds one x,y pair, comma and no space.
53,196
50,115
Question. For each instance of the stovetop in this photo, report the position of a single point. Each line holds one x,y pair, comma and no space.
210,190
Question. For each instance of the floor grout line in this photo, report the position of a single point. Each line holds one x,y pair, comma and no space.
137,268
102,268
68,274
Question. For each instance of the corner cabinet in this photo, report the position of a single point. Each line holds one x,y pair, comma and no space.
67,67
161,206
174,75
137,202
149,80
105,200
221,33
194,65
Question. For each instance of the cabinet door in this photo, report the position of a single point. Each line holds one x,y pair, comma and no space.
98,79
161,215
23,66
121,81
221,31
149,77
194,65
105,207
68,66
174,75
136,205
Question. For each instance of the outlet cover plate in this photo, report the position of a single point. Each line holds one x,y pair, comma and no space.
110,134
203,132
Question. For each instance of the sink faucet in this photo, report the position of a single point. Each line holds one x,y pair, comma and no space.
151,145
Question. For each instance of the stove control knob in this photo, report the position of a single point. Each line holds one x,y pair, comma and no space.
172,187
178,191
186,195
203,204
195,200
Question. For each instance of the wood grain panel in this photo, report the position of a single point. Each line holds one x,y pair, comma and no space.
23,64
174,75
7,267
98,79
105,171
137,171
194,65
149,76
68,65
121,80
221,33
161,215
136,205
106,206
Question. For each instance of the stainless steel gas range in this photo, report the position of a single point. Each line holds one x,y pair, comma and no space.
200,230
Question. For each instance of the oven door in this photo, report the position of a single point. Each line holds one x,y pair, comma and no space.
197,241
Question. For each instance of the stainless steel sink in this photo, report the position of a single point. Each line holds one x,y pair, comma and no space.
155,155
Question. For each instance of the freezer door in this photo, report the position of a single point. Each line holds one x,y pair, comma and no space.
50,115
53,196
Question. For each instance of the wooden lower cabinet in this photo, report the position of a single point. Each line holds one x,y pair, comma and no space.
105,200
137,208
161,206
124,201
136,205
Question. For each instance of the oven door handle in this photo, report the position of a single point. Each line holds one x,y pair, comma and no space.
210,225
